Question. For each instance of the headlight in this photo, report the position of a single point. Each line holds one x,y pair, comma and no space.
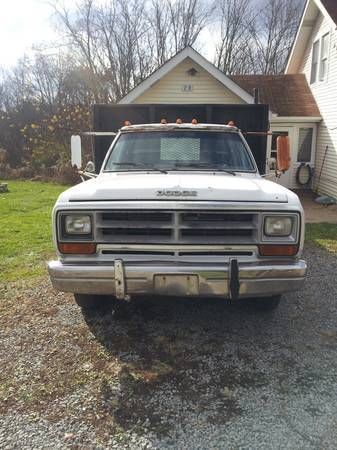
77,224
278,226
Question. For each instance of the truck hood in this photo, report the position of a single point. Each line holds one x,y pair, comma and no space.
182,186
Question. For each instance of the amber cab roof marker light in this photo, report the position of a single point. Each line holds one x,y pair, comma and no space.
163,121
127,123
231,123
194,122
77,248
179,121
278,250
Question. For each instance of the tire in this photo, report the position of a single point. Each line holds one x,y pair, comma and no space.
92,302
266,303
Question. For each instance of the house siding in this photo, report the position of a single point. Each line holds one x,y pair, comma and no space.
325,93
206,89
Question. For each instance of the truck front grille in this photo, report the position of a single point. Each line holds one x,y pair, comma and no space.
176,227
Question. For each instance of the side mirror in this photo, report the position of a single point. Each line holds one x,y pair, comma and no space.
283,153
90,167
76,151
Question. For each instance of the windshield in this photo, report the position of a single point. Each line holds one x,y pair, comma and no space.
179,150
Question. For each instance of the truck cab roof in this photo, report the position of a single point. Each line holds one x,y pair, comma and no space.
177,126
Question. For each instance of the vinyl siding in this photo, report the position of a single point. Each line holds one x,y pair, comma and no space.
325,94
206,89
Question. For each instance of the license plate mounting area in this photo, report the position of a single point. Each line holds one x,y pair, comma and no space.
182,284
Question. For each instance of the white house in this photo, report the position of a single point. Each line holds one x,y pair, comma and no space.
314,54
188,78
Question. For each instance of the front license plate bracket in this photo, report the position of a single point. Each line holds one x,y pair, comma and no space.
168,284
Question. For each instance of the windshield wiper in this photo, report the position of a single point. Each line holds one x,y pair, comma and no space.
204,166
140,165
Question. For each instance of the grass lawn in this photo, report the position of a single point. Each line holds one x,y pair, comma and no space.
323,235
25,227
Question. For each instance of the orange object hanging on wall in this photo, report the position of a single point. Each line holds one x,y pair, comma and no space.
283,153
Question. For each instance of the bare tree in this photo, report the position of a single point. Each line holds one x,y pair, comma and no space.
79,28
236,20
187,20
159,19
273,33
122,42
110,40
133,59
17,85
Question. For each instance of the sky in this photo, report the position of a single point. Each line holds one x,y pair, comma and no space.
22,24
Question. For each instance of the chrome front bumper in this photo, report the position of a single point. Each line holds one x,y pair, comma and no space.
233,280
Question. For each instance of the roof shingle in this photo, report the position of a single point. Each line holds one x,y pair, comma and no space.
286,95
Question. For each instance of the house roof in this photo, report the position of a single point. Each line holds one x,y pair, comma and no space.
286,95
328,8
187,52
331,8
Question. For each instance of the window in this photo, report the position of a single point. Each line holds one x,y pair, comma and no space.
314,62
179,150
304,145
323,67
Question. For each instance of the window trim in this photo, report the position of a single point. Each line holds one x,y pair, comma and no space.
313,81
321,59
299,128
319,40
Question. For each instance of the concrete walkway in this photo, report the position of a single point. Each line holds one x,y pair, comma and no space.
314,212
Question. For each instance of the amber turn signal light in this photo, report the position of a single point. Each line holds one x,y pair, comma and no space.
278,250
77,248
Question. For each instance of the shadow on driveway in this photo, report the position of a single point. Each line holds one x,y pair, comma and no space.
203,372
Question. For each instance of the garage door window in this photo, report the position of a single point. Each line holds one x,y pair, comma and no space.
304,145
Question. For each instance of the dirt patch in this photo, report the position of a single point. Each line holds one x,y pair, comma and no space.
315,212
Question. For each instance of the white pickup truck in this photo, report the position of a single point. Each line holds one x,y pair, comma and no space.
178,210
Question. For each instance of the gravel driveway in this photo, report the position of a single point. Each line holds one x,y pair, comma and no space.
175,374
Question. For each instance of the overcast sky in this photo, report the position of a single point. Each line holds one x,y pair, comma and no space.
23,23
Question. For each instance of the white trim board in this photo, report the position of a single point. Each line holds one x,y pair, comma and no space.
294,119
324,11
308,20
188,52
